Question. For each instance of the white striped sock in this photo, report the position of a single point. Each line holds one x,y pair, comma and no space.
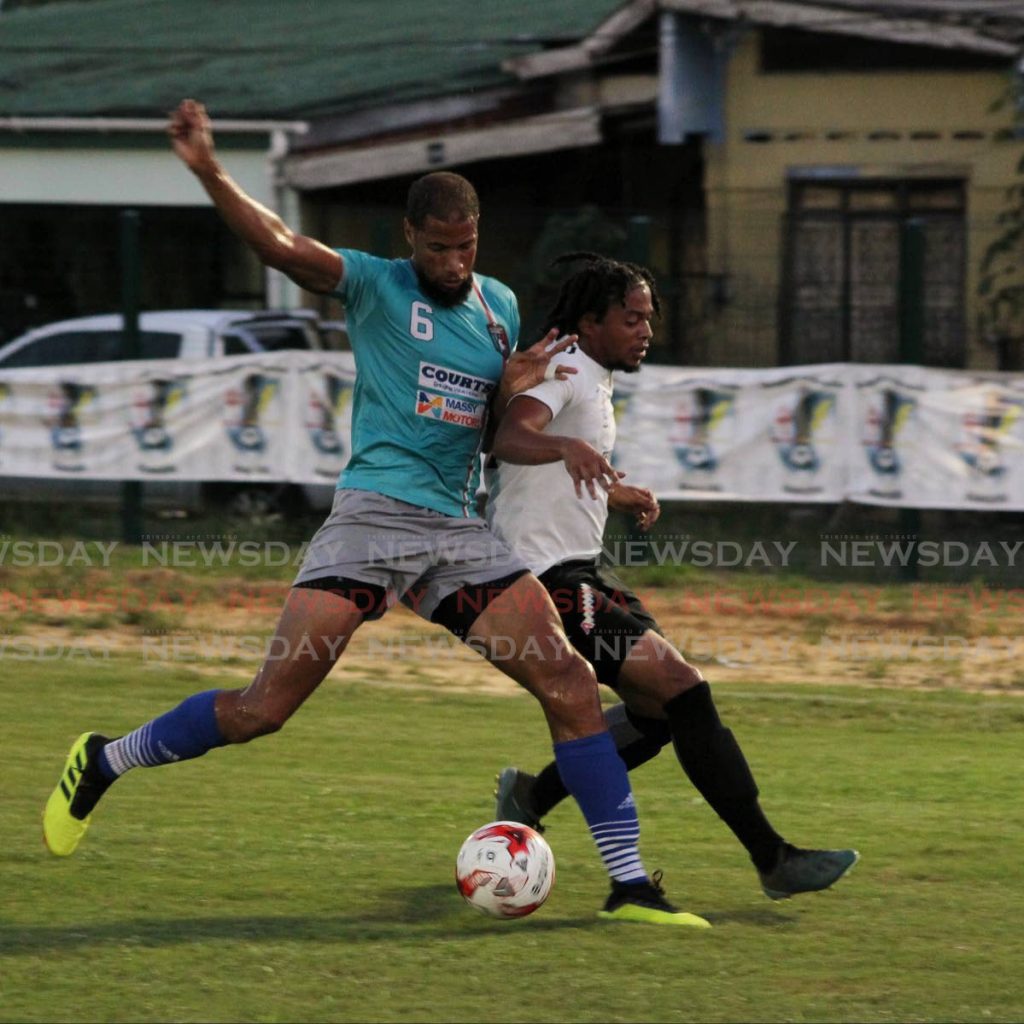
617,843
135,750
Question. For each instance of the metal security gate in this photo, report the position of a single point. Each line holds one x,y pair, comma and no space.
849,265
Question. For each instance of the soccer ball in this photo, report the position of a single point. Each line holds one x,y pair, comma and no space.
505,869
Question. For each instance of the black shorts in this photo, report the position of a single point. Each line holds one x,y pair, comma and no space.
602,617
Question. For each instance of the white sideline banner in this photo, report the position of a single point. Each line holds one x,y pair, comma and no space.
884,435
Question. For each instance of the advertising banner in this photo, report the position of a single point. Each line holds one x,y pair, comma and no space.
884,435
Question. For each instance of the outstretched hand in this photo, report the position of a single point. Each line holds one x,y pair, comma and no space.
588,467
525,370
191,134
636,501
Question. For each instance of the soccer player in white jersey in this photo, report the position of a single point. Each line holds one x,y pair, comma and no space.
554,518
432,341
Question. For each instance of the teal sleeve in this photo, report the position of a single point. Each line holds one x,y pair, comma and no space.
357,287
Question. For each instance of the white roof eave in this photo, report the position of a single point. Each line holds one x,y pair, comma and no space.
839,20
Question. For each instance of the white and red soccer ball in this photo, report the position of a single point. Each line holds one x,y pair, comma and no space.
505,869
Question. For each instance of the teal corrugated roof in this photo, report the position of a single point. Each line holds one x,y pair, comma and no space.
267,58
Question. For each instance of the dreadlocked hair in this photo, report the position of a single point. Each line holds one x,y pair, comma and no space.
593,288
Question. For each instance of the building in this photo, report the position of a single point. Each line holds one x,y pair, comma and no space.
812,181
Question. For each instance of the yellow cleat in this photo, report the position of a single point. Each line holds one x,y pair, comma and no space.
645,903
69,809
651,915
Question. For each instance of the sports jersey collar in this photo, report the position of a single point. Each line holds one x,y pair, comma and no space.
594,368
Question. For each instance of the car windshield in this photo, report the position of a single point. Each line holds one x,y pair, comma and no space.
276,337
68,347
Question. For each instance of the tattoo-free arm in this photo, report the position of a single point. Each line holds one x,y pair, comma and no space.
309,263
522,438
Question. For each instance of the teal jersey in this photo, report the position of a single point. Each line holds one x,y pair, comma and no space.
424,375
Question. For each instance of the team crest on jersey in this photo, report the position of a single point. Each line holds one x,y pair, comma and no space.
499,336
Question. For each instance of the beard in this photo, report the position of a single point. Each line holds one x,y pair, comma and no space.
626,367
443,296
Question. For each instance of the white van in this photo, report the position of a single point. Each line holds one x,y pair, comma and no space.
174,334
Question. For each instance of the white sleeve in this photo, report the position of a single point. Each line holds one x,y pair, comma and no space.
555,394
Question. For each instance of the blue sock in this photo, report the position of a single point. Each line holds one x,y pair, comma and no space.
594,774
187,731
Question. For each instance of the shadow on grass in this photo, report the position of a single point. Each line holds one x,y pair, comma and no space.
758,918
434,908
426,911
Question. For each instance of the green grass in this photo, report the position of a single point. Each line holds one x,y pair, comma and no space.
308,877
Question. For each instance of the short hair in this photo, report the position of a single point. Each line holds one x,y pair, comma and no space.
443,195
592,289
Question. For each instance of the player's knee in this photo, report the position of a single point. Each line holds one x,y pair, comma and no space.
661,684
683,676
568,693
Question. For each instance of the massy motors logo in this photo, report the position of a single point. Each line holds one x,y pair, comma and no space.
327,403
698,418
449,409
429,405
887,415
66,408
986,430
454,382
797,423
247,408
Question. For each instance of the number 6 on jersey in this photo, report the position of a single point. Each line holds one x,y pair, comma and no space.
420,324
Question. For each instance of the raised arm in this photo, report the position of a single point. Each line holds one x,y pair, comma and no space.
521,438
309,263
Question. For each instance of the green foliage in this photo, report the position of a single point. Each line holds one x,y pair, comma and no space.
309,876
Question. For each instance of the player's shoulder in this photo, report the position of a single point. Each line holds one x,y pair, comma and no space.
363,266
575,357
497,293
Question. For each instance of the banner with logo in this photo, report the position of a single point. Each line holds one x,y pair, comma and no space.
887,435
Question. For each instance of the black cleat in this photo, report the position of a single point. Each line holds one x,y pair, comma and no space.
512,798
645,903
798,871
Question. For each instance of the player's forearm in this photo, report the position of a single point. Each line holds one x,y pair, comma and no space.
275,244
261,229
529,447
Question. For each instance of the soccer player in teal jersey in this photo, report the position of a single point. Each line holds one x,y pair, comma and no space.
433,343
417,435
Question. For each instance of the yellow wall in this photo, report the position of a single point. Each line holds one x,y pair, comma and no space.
746,181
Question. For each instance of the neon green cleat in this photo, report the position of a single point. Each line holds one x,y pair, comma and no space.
67,813
645,903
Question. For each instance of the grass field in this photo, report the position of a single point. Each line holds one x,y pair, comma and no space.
308,877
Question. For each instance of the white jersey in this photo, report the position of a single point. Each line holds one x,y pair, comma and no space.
534,509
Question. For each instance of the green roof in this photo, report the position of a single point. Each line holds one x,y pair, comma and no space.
268,58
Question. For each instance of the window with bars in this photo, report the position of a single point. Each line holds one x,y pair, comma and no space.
873,272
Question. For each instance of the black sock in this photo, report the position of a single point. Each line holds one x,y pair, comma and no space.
715,764
548,790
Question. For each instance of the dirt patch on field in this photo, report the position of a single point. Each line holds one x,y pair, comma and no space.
925,637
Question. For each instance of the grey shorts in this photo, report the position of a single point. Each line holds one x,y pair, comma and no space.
403,552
